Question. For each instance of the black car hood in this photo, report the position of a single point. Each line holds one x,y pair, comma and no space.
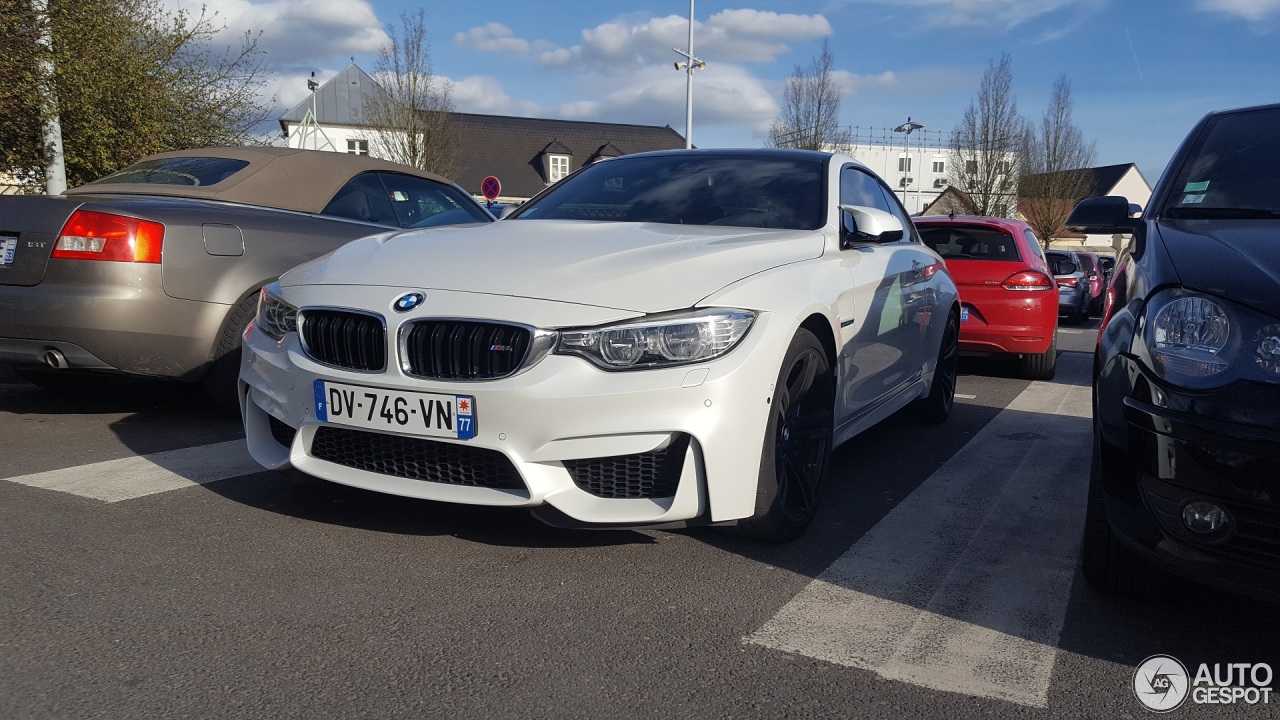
1237,259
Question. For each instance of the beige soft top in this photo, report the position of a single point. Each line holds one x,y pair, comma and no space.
285,178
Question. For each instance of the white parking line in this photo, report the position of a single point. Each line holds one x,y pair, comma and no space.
963,586
127,478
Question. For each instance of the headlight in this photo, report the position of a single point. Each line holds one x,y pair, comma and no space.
276,317
1188,336
659,341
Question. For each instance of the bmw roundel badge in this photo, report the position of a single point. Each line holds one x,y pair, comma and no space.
408,301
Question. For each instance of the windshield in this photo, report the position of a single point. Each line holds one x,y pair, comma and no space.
190,171
755,191
969,243
1232,170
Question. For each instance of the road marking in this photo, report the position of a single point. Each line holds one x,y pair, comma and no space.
964,585
133,477
966,397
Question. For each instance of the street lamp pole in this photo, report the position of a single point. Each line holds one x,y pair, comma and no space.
907,128
690,64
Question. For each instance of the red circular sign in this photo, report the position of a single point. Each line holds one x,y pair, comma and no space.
490,187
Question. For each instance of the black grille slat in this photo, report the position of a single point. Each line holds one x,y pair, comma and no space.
282,432
643,475
416,458
345,339
465,349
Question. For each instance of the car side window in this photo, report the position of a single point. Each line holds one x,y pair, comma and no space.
363,198
860,188
419,202
1035,243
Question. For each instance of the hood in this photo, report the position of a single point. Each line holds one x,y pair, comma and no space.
1238,259
642,267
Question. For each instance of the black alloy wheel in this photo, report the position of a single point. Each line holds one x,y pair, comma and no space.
936,407
797,443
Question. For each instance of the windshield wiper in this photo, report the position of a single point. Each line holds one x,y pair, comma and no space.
1216,213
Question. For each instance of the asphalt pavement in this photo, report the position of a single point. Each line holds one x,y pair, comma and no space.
146,571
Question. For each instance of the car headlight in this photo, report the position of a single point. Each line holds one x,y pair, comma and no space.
276,317
1188,336
659,341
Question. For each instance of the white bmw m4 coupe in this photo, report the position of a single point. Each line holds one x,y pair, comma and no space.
658,340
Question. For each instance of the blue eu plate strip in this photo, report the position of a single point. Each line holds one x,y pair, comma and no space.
322,410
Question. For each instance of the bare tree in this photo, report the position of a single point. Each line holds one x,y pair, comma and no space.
986,143
1053,159
810,117
408,118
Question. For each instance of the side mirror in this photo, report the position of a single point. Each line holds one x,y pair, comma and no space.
868,224
506,211
1102,216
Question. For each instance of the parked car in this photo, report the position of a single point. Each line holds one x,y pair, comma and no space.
1108,264
1186,456
668,338
155,270
1093,272
1009,300
1073,285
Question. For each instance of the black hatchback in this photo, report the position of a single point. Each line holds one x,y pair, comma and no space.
1186,454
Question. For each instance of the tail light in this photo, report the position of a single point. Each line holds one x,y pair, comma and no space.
1068,282
1027,280
90,235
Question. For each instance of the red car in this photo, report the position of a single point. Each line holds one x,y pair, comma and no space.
1009,301
1097,280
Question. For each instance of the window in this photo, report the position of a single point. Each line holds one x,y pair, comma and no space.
970,242
939,167
358,147
971,167
904,163
191,171
729,190
403,200
559,167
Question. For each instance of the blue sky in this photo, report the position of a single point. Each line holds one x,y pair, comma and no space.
1143,71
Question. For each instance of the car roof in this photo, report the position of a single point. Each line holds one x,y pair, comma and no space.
285,178
1009,224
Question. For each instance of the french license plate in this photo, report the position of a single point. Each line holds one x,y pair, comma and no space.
8,246
413,413
964,314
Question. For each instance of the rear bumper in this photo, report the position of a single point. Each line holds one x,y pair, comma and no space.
107,316
1071,300
1014,325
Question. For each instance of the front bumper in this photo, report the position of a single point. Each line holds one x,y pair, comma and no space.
107,316
1172,458
545,422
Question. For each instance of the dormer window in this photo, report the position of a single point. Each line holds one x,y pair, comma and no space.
558,167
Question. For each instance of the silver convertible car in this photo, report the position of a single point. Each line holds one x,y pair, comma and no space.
661,339
155,269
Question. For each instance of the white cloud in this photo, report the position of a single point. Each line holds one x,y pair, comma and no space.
1248,9
728,36
1007,14
484,94
296,33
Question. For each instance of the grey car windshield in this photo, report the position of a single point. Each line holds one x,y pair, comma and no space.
690,189
190,171
1230,171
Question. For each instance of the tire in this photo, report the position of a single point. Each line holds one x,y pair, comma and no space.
1042,366
1107,563
797,443
936,407
220,380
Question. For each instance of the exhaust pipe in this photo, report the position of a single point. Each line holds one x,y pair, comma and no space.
56,360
